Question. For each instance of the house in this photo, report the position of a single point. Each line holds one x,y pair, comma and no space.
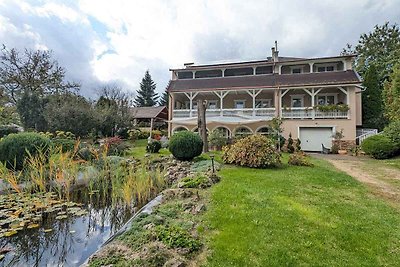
315,97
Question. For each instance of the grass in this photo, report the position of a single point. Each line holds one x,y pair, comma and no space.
139,150
299,216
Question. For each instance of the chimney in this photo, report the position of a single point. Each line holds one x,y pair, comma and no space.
275,52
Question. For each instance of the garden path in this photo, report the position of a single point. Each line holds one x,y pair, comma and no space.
383,179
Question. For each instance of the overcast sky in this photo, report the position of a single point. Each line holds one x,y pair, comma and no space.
117,41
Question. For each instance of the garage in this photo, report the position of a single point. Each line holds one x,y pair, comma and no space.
312,138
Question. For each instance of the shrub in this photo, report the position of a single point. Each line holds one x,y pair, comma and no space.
176,237
116,146
254,151
8,129
185,145
133,134
290,147
380,147
14,148
154,146
194,182
64,135
298,145
335,148
217,139
122,133
392,131
65,144
300,159
86,154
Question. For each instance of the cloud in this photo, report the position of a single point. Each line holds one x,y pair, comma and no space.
99,41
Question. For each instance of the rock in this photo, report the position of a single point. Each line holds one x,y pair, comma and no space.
199,208
149,226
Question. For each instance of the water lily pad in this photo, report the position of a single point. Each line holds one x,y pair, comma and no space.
61,217
10,233
33,225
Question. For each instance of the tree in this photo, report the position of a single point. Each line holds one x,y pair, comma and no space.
112,109
381,47
372,108
31,72
30,107
147,97
164,100
391,95
70,112
377,52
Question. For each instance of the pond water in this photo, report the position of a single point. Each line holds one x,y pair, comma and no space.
72,240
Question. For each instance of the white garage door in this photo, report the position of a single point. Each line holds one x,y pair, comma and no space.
312,138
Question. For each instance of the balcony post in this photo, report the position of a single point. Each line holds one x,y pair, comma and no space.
253,94
221,96
191,104
312,101
311,67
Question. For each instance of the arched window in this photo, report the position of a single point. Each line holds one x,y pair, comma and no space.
264,130
225,131
243,131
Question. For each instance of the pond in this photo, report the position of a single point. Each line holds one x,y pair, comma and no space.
66,241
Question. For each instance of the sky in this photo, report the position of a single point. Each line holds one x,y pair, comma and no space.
102,42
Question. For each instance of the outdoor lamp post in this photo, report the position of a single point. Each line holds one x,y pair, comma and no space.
212,163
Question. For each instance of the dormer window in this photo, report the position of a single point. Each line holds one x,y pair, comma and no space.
325,68
296,70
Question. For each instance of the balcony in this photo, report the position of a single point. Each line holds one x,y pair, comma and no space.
309,113
228,112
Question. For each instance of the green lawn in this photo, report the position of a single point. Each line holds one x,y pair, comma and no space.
138,150
299,216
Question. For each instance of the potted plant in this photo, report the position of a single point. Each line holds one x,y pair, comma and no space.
338,136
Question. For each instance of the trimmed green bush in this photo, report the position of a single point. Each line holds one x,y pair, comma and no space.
7,129
154,146
254,151
290,147
380,147
185,145
14,147
217,139
65,144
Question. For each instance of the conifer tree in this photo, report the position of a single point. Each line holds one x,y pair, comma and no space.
147,96
164,100
372,108
391,95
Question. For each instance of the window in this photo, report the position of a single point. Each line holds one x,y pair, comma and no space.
296,70
326,68
239,104
194,105
242,131
212,104
324,100
297,101
263,103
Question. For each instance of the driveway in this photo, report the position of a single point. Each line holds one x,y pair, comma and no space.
384,180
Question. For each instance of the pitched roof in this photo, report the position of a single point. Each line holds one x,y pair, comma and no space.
266,81
160,112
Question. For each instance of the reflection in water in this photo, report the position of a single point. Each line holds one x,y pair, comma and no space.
72,240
